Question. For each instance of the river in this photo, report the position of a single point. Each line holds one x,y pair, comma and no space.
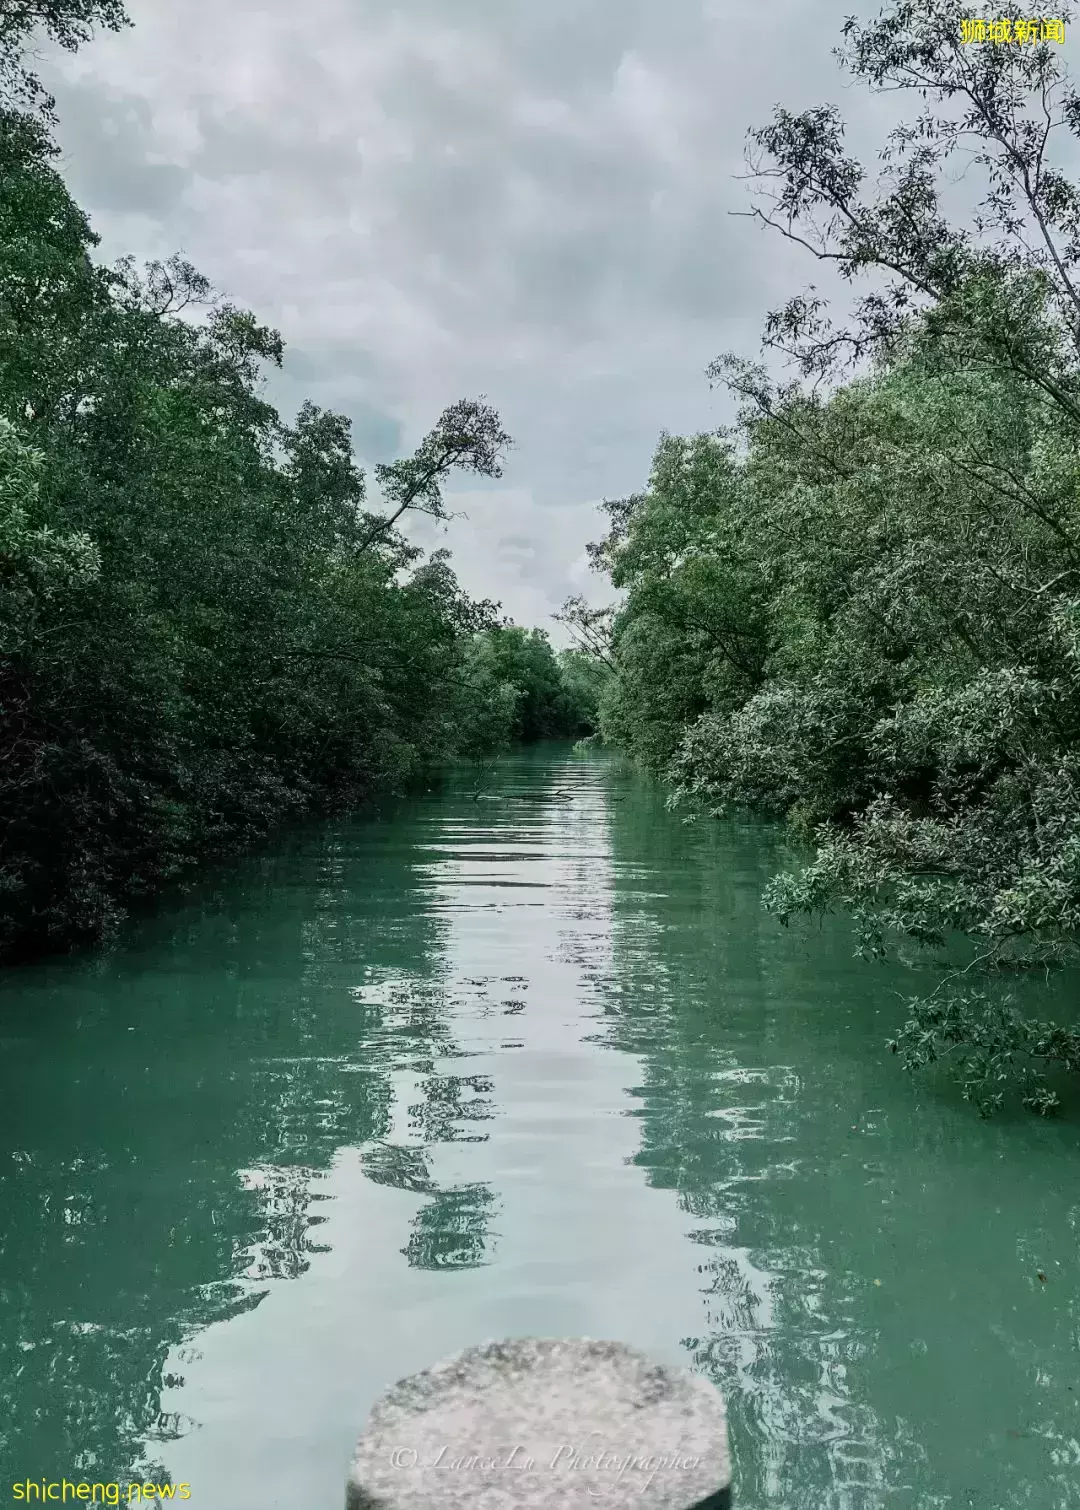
534,1063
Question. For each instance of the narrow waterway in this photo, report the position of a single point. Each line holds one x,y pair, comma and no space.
536,1063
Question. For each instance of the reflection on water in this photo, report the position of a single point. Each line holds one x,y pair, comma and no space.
534,1064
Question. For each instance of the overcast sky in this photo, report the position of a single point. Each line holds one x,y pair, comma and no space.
435,199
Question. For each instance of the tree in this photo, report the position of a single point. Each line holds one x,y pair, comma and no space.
468,435
857,608
591,628
583,679
204,628
526,661
66,23
487,714
1006,106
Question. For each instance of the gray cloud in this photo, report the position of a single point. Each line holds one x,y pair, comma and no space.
430,201
109,155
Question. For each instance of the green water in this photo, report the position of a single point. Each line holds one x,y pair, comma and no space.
534,1064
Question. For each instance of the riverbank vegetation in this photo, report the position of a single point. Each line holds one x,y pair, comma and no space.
204,627
858,607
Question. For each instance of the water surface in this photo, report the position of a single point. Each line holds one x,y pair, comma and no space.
539,1064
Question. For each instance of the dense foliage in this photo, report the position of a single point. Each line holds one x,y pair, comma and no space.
859,607
554,695
203,628
520,689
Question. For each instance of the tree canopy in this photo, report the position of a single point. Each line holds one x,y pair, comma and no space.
204,625
858,607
